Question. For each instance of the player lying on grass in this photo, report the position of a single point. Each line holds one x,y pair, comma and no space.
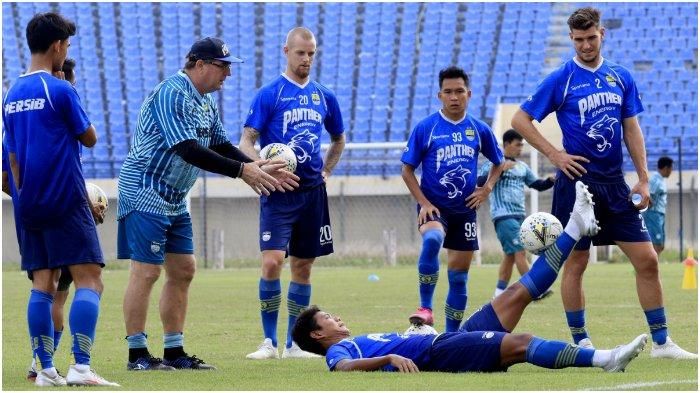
484,342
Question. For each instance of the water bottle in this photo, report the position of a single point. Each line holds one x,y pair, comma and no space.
636,200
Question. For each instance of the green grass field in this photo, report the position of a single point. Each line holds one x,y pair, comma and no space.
223,325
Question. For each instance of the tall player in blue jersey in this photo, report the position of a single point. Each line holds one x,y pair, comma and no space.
597,102
293,109
179,132
44,127
447,144
484,342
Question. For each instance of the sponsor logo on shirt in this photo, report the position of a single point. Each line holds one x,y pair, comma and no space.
580,86
285,99
593,101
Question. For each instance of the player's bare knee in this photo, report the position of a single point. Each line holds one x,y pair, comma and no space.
647,266
271,266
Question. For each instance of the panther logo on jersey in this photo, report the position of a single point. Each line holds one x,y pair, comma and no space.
602,132
455,181
303,144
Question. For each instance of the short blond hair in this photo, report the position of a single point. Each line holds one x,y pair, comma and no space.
302,32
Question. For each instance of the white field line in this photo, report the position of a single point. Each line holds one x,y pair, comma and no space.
629,386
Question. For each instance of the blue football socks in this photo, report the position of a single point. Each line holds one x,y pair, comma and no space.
298,298
456,299
270,293
83,321
546,268
429,266
41,327
656,319
557,354
577,324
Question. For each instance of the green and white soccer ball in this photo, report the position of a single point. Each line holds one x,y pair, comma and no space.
421,330
539,231
280,150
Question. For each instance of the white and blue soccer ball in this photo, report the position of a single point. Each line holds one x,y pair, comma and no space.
539,231
280,150
97,195
421,330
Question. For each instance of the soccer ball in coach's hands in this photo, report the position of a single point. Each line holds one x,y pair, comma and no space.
421,330
97,195
280,150
539,231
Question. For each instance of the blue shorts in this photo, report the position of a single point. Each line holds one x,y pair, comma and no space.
298,222
462,351
483,319
146,237
508,232
72,241
654,222
460,230
618,218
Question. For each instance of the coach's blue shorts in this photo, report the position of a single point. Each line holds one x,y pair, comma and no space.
508,232
462,351
655,224
146,237
297,222
483,319
618,218
72,241
460,229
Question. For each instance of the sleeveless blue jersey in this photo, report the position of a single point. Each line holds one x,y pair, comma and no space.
285,112
43,118
591,104
415,347
448,152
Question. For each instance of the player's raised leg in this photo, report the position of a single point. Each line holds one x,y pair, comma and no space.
504,312
646,265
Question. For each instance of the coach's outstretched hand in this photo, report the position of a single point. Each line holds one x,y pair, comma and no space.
569,163
277,169
257,179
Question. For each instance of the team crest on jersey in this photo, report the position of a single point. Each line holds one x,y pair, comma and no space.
303,144
315,98
454,180
611,81
469,132
602,132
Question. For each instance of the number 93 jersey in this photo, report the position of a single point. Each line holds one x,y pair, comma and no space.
448,152
591,105
286,112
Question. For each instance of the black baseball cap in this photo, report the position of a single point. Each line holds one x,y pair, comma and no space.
212,48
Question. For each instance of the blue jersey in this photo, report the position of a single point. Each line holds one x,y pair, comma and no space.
591,105
658,193
153,178
415,347
448,151
43,118
286,112
508,196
